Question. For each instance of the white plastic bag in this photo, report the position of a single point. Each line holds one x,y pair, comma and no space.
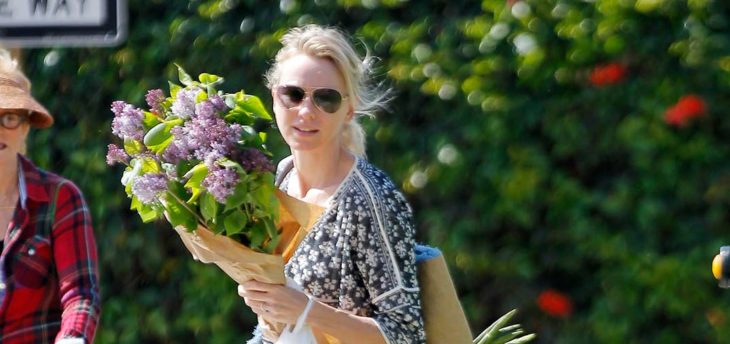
300,333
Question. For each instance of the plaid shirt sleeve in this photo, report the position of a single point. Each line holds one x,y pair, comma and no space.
74,251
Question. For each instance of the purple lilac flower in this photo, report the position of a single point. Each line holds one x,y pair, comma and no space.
253,160
184,104
221,182
148,187
116,155
154,99
212,156
218,102
205,108
208,136
127,121
178,149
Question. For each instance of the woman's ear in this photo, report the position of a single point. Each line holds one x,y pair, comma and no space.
350,113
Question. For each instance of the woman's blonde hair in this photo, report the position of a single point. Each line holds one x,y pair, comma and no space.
330,43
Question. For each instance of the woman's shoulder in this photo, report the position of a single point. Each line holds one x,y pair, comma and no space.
38,178
374,182
373,175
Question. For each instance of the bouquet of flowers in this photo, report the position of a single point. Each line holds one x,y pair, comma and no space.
198,158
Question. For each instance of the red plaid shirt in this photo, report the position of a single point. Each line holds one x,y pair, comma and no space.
49,285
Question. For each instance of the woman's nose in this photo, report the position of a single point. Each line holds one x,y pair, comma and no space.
307,109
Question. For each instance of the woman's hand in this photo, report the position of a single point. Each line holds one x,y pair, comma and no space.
274,302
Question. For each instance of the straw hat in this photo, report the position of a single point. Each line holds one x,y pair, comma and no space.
15,94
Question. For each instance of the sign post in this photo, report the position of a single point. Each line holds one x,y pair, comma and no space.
47,23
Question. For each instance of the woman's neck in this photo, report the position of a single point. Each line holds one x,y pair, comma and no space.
9,183
321,170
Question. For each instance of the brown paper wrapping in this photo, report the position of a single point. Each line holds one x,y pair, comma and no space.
243,264
444,318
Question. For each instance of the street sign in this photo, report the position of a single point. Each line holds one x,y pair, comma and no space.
53,23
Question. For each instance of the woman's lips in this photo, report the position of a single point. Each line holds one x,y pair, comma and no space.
306,132
3,146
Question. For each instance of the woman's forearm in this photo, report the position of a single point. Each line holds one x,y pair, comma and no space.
347,327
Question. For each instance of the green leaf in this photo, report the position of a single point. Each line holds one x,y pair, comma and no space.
150,165
265,195
210,79
150,120
271,245
132,146
217,226
174,88
524,339
195,177
178,212
252,105
184,167
238,197
238,115
235,222
257,235
250,137
262,196
184,77
491,332
271,229
208,207
158,136
201,96
148,213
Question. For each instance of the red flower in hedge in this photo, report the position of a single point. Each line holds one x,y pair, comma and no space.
688,107
555,303
607,74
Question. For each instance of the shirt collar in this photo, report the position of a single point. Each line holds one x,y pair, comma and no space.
21,186
31,183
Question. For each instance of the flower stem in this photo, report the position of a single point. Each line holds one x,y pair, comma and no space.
185,205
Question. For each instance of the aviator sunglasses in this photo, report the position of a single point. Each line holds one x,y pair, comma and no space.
326,99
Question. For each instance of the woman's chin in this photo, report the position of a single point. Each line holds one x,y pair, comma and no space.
7,156
303,147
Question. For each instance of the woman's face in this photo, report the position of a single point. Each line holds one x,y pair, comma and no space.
302,98
12,140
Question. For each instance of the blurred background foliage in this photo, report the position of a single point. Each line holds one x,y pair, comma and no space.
569,157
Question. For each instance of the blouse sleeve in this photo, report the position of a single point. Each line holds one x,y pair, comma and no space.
384,256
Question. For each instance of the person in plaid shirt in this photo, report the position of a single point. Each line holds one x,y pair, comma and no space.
49,287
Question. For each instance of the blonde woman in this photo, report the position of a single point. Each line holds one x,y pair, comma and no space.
357,264
49,288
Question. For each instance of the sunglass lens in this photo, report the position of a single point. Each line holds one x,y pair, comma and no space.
328,99
291,96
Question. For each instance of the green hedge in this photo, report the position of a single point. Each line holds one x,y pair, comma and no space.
540,142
